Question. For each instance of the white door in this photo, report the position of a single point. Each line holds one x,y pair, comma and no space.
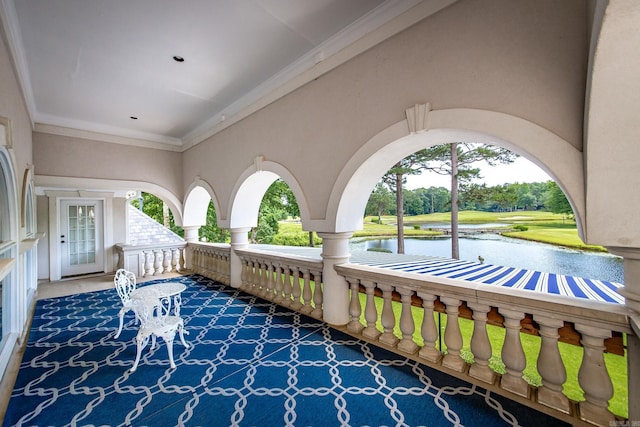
81,237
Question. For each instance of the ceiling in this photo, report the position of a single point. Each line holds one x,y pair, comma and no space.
108,66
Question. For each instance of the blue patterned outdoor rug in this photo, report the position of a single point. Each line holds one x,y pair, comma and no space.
251,363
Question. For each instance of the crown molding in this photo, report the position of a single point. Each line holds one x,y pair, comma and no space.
104,137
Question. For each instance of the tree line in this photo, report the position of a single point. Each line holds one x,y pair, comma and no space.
501,198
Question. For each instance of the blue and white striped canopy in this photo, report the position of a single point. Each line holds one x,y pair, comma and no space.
518,278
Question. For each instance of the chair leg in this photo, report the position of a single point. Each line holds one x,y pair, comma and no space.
182,332
121,316
169,341
141,343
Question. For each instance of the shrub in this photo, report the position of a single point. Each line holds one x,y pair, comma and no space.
521,227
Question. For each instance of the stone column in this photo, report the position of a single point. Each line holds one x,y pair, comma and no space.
191,236
239,240
335,250
631,292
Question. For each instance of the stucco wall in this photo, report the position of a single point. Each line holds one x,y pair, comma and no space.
13,107
64,156
493,56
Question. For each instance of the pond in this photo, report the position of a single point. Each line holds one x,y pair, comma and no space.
499,250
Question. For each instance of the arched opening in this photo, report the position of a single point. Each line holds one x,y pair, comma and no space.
201,210
555,156
251,188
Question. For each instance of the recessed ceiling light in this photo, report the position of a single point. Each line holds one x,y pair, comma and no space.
178,58
133,118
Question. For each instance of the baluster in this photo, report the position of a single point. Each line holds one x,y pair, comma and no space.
295,286
318,296
182,263
166,260
207,262
214,265
148,263
387,318
407,327
270,290
255,280
175,258
219,267
157,264
277,281
306,292
550,365
480,344
594,378
355,309
286,285
370,311
244,272
513,355
262,288
429,331
222,267
453,336
141,262
194,259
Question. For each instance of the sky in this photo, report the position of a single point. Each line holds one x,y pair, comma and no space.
522,170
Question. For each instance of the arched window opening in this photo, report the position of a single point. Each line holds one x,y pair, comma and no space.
210,232
499,204
279,219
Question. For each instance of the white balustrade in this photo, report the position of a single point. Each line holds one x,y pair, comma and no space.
151,260
210,260
595,322
288,280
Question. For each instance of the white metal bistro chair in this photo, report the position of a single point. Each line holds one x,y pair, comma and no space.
125,283
155,321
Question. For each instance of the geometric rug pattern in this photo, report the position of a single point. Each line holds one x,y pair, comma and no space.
250,363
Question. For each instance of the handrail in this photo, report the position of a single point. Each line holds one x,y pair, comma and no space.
593,320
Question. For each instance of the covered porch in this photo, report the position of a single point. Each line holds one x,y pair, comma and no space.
398,310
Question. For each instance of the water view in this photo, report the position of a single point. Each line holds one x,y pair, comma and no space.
499,250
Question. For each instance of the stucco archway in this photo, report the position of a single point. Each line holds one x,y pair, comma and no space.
196,203
250,188
555,156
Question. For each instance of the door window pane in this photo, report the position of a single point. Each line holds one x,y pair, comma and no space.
82,235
